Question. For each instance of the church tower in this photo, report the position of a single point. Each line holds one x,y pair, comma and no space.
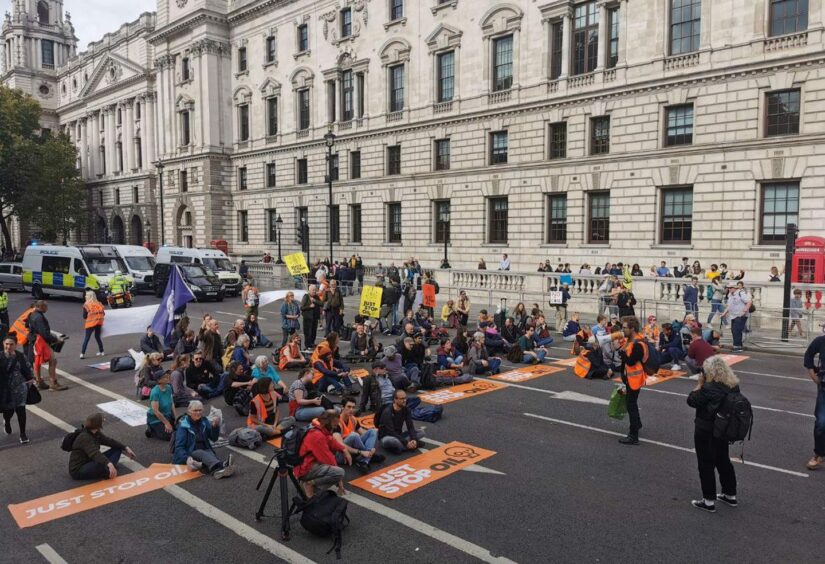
37,40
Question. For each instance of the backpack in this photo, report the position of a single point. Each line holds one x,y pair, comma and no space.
68,440
324,515
292,442
652,361
246,438
122,363
241,401
428,413
676,326
734,418
427,378
709,292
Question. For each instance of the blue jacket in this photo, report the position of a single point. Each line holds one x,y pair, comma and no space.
691,294
571,328
674,341
185,438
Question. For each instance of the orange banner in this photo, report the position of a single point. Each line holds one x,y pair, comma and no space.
367,421
663,375
567,361
418,471
732,359
428,295
276,442
464,391
359,373
87,497
527,373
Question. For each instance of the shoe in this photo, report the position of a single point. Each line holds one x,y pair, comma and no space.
815,462
8,427
377,458
230,461
629,440
41,385
101,353
82,356
24,440
193,464
148,433
362,467
730,500
700,504
58,387
738,349
675,367
224,472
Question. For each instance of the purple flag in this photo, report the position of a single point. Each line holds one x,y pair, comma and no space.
176,295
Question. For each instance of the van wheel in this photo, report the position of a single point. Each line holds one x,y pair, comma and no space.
37,292
158,292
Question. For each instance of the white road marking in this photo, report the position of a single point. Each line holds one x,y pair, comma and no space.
221,517
773,375
50,554
584,398
237,315
659,443
775,410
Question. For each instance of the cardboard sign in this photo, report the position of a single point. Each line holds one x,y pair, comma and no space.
371,301
464,391
556,298
527,373
297,264
428,295
418,471
131,413
359,373
367,421
101,366
56,506
732,359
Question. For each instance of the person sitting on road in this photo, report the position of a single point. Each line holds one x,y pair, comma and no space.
448,358
181,393
510,332
150,343
150,372
461,343
412,357
584,340
698,351
449,315
264,368
409,318
186,344
86,462
652,331
600,328
178,333
304,405
319,469
531,354
480,361
193,444
263,410
377,389
234,333
253,331
161,415
202,376
233,379
571,328
409,332
241,352
391,421
359,442
331,375
542,336
395,368
670,347
494,342
363,348
290,356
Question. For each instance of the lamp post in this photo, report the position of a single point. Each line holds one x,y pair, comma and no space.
329,139
791,232
159,165
149,233
305,237
278,223
445,219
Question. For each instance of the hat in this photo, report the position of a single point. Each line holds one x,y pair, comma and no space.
379,363
651,318
389,351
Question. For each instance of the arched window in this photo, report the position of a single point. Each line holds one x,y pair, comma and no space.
43,12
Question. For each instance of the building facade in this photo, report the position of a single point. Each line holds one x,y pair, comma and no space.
579,131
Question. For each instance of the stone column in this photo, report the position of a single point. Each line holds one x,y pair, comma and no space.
94,143
129,136
566,44
149,138
601,56
622,62
84,144
111,140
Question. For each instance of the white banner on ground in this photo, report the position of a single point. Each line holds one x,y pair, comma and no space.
267,298
128,321
131,413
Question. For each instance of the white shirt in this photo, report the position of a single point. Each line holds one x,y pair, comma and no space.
504,264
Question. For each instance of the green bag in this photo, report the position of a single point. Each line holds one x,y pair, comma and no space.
618,405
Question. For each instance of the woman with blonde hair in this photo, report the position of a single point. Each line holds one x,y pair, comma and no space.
715,382
93,314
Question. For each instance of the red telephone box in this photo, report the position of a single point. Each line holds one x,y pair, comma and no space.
221,245
809,261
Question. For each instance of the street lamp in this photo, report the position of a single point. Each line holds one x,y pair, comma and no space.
791,232
305,236
445,219
159,165
278,223
329,139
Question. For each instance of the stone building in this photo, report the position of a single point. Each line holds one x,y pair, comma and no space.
579,131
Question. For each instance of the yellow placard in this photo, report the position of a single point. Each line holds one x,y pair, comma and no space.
371,301
297,264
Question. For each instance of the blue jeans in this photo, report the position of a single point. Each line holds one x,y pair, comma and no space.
527,358
89,331
413,373
209,391
96,471
208,459
819,426
326,381
359,442
396,446
673,354
494,364
308,413
737,328
715,307
543,342
692,307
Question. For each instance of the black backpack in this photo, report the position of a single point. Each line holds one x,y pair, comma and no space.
68,441
324,515
292,442
654,360
734,418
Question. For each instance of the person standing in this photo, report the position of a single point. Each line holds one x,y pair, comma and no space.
86,462
739,303
15,379
716,381
690,296
814,362
4,312
311,313
633,375
290,313
505,262
43,342
333,308
93,313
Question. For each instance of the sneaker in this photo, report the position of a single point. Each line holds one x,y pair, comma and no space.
362,468
629,440
24,440
701,504
148,433
193,464
815,462
8,427
377,458
224,472
41,385
82,356
58,387
675,367
101,353
738,349
729,499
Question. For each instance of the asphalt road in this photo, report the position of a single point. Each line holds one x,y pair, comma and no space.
562,488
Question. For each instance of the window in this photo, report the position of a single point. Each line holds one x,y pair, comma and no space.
355,223
334,170
557,218
503,63
442,154
100,198
139,152
558,140
270,175
243,122
397,88
135,195
271,49
184,68
497,221
242,66
47,52
685,26
272,221
396,10
43,18
117,196
303,109
355,165
137,111
331,100
585,38
394,160
185,138
119,117
677,215
361,83
613,37
103,159
272,116
498,148
119,148
600,135
599,217
242,178
442,223
679,125
446,76
301,219
243,226
556,49
782,115
184,181
303,38
780,206
302,171
57,264
394,223
346,22
335,223
346,96
788,16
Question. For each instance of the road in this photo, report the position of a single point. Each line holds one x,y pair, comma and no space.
558,488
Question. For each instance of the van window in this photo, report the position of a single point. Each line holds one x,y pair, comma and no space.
79,268
181,260
5,269
17,269
56,264
105,266
219,264
140,263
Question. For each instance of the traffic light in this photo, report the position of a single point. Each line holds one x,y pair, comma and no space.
299,235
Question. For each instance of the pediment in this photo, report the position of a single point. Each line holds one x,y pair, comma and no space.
444,36
111,70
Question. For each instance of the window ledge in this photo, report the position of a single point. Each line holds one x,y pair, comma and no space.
243,144
494,245
273,138
444,5
767,247
595,245
343,40
674,246
242,73
183,82
300,54
268,64
392,244
554,246
393,23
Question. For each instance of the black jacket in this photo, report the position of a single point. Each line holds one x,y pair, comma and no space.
39,325
86,448
816,348
150,344
706,401
387,427
390,295
310,308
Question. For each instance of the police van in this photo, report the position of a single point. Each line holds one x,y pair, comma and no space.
140,264
212,259
68,271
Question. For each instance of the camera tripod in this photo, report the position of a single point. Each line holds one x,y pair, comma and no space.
280,474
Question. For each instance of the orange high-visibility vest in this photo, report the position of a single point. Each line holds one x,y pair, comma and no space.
19,327
582,367
635,373
347,428
282,358
321,353
576,343
94,315
260,411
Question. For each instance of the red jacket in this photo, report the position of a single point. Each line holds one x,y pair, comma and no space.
318,447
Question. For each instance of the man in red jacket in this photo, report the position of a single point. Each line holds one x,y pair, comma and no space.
318,468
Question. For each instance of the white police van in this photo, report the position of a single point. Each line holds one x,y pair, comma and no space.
140,265
68,271
212,259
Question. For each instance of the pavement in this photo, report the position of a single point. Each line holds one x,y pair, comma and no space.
558,488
